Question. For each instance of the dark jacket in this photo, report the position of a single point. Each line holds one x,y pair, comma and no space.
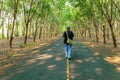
70,35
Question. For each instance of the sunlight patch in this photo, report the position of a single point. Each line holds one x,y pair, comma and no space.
78,61
3,68
31,61
36,51
73,75
51,67
90,59
39,57
73,66
113,60
57,44
44,56
58,58
98,71
96,53
118,69
48,49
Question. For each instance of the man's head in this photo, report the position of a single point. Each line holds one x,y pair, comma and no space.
68,28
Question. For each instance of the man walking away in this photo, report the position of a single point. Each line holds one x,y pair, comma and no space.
67,34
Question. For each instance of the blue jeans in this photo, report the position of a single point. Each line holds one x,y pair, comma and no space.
67,50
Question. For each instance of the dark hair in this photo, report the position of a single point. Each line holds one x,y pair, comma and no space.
68,27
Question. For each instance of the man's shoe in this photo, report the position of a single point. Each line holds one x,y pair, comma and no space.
69,58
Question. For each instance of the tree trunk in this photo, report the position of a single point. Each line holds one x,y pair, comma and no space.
15,12
40,32
36,28
113,35
104,34
26,32
3,29
96,33
8,28
89,33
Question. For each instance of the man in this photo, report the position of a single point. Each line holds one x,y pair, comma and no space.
67,34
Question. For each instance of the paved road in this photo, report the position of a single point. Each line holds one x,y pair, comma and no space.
49,64
91,65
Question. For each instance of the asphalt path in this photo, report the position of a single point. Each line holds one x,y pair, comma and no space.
49,63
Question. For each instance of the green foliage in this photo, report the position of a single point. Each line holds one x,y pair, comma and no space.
25,45
58,13
21,45
31,44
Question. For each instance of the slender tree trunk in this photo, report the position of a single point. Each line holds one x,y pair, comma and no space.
40,33
96,30
8,27
108,35
28,17
3,29
15,12
26,33
109,18
96,33
36,28
89,33
113,35
104,34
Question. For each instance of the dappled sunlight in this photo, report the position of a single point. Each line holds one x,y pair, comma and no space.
74,75
49,49
75,42
51,67
113,60
42,63
54,47
31,61
89,59
18,54
58,54
98,71
57,44
58,58
36,51
43,44
73,66
44,56
96,53
86,42
20,71
78,61
92,45
91,79
93,61
3,68
39,57
118,69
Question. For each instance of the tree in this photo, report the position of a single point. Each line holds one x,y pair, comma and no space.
15,12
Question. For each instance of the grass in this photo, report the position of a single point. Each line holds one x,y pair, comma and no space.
25,45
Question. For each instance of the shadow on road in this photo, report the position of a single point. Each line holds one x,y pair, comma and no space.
91,65
47,63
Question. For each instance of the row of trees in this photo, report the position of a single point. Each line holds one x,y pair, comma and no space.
99,19
27,18
94,19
